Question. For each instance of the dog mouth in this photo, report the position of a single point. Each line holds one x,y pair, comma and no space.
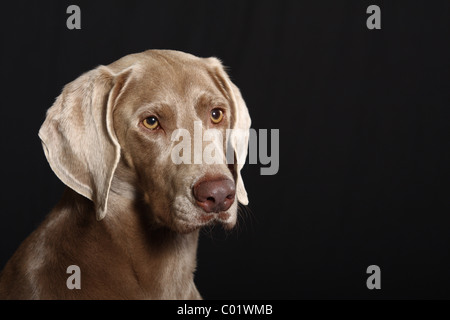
221,217
187,222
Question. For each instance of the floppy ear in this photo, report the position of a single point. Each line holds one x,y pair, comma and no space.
78,135
239,140
240,123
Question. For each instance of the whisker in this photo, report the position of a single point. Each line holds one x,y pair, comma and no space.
245,218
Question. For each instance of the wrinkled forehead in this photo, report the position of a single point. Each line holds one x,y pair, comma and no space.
172,82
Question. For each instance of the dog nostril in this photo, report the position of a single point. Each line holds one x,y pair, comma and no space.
211,199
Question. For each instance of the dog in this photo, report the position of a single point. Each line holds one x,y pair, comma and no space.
130,216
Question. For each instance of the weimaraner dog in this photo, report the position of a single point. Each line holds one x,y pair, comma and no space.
130,216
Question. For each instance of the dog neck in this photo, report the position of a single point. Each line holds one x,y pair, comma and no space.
159,261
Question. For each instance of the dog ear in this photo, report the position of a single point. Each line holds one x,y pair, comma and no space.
78,135
240,125
239,140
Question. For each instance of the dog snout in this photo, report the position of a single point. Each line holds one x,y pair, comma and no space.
215,195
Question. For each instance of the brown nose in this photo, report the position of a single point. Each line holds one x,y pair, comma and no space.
214,195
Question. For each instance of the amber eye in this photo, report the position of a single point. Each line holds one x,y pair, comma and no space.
151,123
216,115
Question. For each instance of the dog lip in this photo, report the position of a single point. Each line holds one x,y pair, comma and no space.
193,221
222,216
204,218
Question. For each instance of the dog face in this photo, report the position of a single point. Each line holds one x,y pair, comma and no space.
134,120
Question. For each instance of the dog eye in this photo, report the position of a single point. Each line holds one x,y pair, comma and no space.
216,115
151,123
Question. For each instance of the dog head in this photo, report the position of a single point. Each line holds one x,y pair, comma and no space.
162,123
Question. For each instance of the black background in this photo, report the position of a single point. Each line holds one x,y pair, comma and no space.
363,118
